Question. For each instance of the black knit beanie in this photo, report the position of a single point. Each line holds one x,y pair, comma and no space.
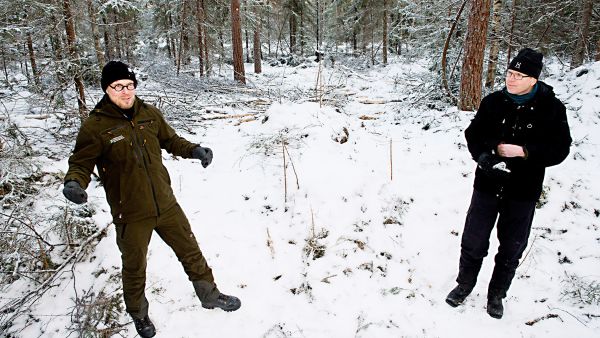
114,71
528,62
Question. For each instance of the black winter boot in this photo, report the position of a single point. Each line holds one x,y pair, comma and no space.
144,326
224,302
457,295
495,307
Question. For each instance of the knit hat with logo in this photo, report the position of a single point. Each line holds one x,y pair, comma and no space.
114,71
528,62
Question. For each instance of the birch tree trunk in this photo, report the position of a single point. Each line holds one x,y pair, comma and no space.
236,38
70,30
494,45
472,66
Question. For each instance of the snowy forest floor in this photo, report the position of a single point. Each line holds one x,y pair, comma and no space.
359,235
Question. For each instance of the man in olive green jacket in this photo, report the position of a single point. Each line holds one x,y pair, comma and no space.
123,137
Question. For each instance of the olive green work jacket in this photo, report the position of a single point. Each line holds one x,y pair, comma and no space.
128,157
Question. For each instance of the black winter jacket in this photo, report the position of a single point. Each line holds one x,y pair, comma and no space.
540,126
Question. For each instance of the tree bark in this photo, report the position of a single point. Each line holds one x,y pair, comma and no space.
95,35
4,66
584,34
472,66
236,37
199,26
70,30
292,32
385,32
598,50
117,39
34,70
182,28
318,25
247,46
107,50
256,43
513,17
494,45
445,53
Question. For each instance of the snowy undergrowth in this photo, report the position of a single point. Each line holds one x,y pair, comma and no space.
359,235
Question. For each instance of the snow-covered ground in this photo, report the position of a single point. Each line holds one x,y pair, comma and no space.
366,240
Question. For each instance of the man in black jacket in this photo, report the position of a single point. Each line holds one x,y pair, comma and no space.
516,133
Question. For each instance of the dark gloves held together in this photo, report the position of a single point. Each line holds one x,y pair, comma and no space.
493,166
74,193
205,155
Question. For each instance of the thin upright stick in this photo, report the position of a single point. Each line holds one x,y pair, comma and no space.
293,167
284,171
391,162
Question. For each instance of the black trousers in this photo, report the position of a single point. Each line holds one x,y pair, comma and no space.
513,228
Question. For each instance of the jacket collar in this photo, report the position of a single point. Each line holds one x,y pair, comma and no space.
106,107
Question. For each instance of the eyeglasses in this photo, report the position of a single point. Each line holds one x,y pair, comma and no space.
119,87
515,76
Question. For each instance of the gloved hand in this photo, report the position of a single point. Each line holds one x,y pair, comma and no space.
74,193
205,155
493,166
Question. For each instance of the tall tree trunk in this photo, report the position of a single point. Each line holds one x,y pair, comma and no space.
584,34
55,42
598,50
513,17
494,45
206,46
107,50
95,35
247,46
256,43
318,25
472,66
76,72
4,66
117,39
34,70
445,53
181,55
302,30
199,27
239,73
292,32
385,32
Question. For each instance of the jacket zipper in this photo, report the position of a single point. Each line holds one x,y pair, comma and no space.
137,147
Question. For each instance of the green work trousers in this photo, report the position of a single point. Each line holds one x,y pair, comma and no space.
133,239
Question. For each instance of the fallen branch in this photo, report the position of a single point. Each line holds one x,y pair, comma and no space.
234,116
37,117
377,101
548,316
15,308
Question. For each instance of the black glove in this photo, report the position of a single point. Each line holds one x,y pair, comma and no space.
74,193
205,155
493,166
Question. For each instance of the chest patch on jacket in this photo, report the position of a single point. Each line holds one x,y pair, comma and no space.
117,139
